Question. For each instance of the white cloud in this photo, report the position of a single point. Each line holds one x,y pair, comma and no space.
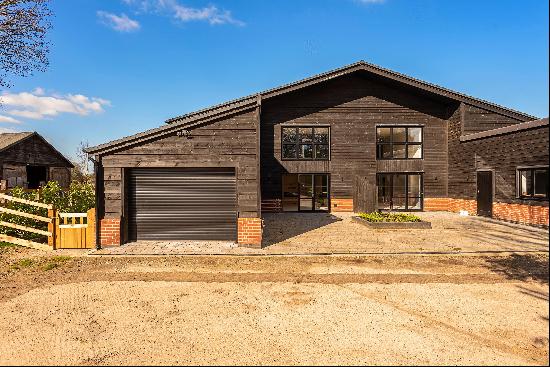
121,23
7,130
9,120
183,13
38,106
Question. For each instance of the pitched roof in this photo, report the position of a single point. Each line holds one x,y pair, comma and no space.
7,140
506,130
251,100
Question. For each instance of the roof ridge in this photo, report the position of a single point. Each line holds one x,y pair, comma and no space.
369,67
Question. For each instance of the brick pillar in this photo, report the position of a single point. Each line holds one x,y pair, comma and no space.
249,232
109,232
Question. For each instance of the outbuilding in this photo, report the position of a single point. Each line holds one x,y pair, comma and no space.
28,160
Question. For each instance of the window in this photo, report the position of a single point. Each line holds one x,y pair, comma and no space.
399,191
399,142
533,183
306,143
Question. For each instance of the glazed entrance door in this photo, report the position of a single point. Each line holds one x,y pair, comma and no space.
310,194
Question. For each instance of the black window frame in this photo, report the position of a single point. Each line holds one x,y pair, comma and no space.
519,187
407,174
297,143
406,143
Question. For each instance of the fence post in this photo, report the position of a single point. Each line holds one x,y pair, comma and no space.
90,229
52,227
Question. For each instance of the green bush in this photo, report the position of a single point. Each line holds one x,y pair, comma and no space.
389,217
79,198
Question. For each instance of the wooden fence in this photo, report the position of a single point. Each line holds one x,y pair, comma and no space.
65,230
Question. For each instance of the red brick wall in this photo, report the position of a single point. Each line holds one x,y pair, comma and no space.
436,204
450,205
249,232
109,234
341,205
521,213
456,205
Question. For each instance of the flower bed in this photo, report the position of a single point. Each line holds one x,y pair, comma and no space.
379,220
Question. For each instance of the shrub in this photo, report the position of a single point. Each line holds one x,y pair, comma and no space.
79,198
389,217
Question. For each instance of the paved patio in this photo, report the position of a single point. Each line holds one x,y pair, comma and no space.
321,233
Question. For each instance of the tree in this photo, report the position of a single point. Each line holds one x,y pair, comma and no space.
82,171
23,44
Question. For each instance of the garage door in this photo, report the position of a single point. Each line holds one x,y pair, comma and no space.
182,204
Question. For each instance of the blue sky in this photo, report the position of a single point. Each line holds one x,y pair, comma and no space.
118,67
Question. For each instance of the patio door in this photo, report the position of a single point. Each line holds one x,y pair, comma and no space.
306,192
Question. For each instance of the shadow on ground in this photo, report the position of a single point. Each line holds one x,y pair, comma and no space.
522,267
282,226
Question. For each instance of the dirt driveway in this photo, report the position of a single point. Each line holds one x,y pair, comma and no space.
273,310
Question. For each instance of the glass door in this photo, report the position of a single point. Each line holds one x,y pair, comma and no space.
321,192
306,192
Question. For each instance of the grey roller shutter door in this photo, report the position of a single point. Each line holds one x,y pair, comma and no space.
182,204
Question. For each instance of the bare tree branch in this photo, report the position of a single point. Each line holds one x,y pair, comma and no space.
23,44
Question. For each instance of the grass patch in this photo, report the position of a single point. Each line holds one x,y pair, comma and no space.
7,244
55,262
23,263
376,217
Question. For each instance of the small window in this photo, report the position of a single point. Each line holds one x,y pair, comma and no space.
399,142
305,143
533,183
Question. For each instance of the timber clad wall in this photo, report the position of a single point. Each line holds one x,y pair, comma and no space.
477,119
229,142
353,105
503,154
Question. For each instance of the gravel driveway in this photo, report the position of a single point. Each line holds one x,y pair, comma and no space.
336,233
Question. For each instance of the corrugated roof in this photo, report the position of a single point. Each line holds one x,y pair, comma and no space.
9,139
248,101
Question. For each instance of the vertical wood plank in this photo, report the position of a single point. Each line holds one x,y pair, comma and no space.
53,228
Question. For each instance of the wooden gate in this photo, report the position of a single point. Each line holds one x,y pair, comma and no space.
76,230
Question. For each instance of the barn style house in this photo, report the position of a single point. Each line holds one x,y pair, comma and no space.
358,138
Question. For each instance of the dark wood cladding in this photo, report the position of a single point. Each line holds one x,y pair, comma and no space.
353,105
33,151
476,119
502,154
229,142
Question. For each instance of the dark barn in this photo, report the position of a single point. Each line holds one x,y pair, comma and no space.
358,138
27,160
